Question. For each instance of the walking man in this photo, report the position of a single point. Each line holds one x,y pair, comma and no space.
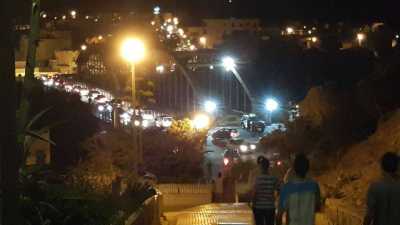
263,195
300,197
383,198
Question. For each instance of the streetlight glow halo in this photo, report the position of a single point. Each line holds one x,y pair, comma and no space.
271,105
133,50
228,63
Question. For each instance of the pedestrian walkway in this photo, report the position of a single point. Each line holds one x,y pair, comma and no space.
220,214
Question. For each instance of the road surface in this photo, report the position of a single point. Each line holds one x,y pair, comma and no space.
214,155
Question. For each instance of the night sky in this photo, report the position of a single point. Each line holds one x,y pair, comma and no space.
269,10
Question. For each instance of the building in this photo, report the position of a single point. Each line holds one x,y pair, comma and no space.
215,30
53,54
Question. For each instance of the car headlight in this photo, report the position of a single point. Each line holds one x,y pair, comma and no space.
253,147
145,123
243,148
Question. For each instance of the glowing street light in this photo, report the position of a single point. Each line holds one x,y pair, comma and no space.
271,105
133,50
210,106
100,37
201,121
228,63
64,17
83,47
44,15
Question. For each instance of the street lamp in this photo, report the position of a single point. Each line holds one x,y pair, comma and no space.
210,106
133,51
201,121
228,63
271,105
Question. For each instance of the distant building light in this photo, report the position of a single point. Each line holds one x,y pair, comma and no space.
289,30
83,47
157,10
314,39
100,37
397,36
310,32
160,69
73,14
64,17
170,28
211,67
176,20
44,15
87,17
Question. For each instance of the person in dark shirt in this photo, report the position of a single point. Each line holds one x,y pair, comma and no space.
383,198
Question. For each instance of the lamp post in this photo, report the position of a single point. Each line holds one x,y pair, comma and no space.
230,65
133,51
271,105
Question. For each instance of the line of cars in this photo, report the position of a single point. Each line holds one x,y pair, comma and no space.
105,104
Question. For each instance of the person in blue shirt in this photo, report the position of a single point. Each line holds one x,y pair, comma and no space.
300,196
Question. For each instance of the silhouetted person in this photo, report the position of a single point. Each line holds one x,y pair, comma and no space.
383,198
263,195
300,197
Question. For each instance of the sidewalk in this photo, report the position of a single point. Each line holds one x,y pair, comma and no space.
219,214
